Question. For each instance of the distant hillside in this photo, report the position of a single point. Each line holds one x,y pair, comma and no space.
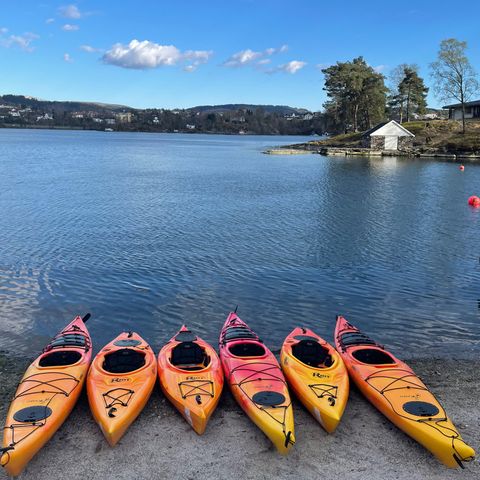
19,111
279,109
21,101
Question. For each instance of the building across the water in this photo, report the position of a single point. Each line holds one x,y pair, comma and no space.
388,136
472,110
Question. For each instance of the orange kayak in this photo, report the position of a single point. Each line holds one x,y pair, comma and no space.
120,382
191,377
46,395
257,382
316,373
400,395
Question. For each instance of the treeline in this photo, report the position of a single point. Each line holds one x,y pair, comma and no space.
249,121
359,97
245,120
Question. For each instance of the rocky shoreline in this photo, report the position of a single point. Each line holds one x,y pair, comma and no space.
161,445
306,148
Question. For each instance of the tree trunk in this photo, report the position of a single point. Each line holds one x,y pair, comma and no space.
355,114
408,105
462,101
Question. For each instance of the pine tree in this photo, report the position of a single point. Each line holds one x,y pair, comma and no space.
414,92
357,95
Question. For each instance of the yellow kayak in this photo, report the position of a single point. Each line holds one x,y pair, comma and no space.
119,383
46,395
400,395
317,374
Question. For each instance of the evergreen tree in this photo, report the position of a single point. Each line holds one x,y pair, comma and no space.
413,91
357,95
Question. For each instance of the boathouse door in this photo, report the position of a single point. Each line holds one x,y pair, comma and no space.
391,142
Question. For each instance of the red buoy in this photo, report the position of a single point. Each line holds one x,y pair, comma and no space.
474,201
461,168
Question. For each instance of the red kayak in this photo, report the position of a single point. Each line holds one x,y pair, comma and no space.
257,382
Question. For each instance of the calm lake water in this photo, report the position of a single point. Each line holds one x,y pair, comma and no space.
149,231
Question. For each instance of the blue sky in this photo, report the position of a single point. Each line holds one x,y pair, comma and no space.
183,53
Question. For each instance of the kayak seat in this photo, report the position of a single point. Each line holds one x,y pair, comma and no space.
349,339
124,360
312,354
189,356
57,359
373,356
247,349
236,333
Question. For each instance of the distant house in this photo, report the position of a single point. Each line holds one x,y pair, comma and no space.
472,110
190,126
124,117
110,121
45,116
388,136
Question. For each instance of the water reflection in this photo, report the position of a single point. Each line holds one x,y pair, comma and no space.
151,231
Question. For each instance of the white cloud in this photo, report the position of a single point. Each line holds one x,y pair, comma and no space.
70,28
49,20
90,49
70,11
67,58
380,68
291,67
21,41
244,57
249,57
145,54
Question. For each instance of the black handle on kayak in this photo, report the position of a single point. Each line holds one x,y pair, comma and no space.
86,317
235,311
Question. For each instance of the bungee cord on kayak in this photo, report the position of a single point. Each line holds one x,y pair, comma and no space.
122,376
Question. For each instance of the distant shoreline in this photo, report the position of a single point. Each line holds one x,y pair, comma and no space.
189,132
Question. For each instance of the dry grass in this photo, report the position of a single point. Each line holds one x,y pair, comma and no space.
430,136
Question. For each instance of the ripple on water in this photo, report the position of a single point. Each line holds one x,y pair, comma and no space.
151,231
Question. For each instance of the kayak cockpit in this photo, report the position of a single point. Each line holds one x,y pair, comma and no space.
311,353
189,356
247,349
124,360
373,356
60,358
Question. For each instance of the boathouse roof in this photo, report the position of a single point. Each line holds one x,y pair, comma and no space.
391,128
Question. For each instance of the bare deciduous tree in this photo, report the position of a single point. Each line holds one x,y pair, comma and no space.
454,77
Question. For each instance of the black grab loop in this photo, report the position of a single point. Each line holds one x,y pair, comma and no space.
4,451
86,317
111,412
287,439
458,461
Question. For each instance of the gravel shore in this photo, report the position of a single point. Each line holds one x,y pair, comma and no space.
160,444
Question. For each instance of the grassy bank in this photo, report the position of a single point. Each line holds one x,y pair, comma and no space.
437,136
